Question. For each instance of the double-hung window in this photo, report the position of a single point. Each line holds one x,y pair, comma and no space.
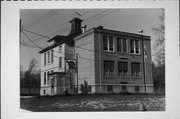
52,56
60,49
48,56
44,59
60,62
44,78
109,68
135,69
122,45
122,69
134,46
108,43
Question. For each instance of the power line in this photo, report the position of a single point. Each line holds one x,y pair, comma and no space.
39,18
69,26
42,20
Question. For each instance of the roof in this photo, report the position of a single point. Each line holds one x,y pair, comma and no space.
57,73
106,31
63,39
57,37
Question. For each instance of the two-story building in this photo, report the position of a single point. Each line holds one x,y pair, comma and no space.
110,61
113,61
55,78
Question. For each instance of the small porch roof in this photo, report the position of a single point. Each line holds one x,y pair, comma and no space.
57,73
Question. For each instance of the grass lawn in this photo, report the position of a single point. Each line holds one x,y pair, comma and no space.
111,102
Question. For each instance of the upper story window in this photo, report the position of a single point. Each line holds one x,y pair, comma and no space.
122,69
109,68
135,46
48,56
44,78
48,77
60,62
44,59
135,68
122,45
52,56
60,48
108,43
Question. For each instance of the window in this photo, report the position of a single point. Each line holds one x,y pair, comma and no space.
44,91
121,45
48,56
108,43
60,62
109,68
135,68
52,56
51,71
124,89
89,88
134,47
60,48
48,77
122,69
44,59
136,88
44,78
110,88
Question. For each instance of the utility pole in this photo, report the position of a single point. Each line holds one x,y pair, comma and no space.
77,70
65,74
141,33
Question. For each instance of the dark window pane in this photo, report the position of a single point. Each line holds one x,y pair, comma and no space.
105,43
132,46
137,46
124,45
136,88
110,88
111,43
60,62
52,56
44,78
44,59
119,45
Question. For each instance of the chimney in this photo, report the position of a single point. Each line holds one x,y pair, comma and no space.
75,24
83,28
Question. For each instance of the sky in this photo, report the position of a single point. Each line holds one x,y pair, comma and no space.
52,22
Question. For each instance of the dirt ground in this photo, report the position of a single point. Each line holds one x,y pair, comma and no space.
111,102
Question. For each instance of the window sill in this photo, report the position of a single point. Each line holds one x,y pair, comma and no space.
106,51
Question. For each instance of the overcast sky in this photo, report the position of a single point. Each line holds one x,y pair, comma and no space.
56,22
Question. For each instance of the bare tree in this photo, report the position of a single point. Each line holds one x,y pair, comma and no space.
160,41
29,79
159,64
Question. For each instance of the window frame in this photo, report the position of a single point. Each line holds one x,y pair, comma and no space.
60,62
137,74
44,78
109,87
48,57
52,56
123,71
134,47
108,43
45,59
121,48
109,73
